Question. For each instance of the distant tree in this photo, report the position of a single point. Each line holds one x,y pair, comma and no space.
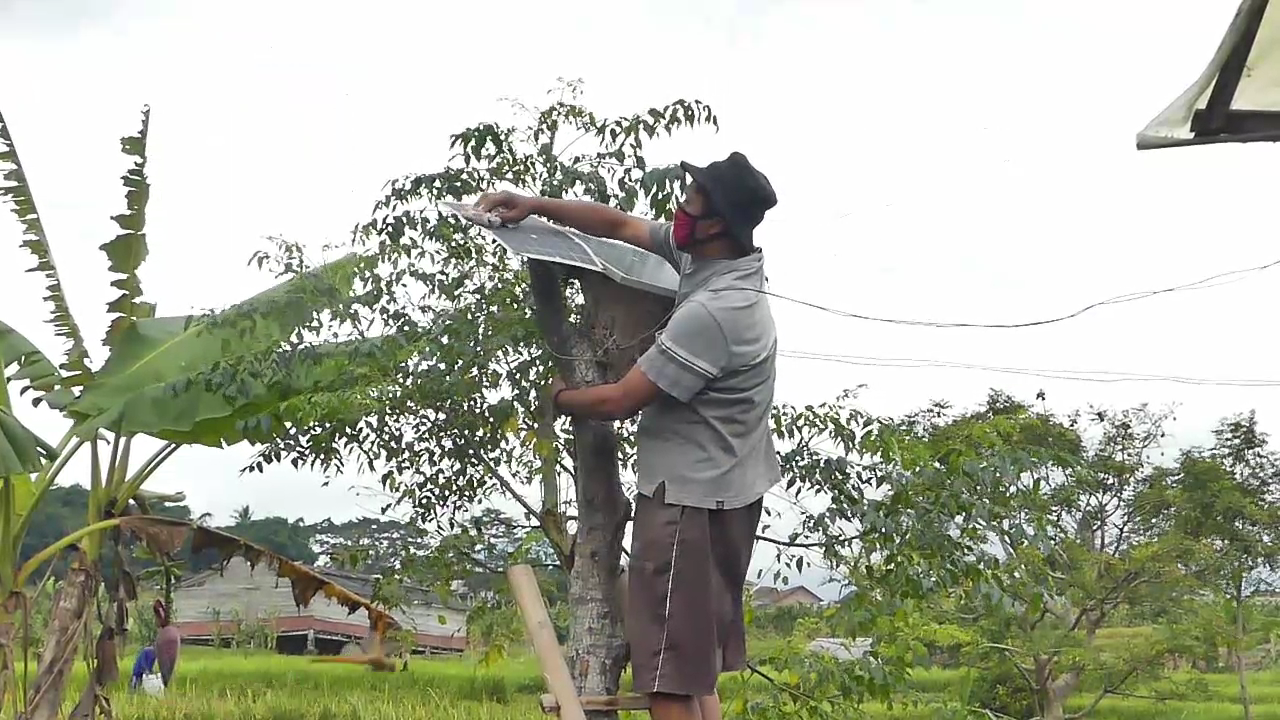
476,553
369,545
62,512
1004,533
290,538
1226,498
1088,562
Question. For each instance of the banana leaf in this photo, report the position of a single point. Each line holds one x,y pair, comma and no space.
17,192
21,450
154,358
35,370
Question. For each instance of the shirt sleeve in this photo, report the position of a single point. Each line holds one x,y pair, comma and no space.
663,243
691,352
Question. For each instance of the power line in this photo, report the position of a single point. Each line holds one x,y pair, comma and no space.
1096,376
1206,283
1100,376
1202,284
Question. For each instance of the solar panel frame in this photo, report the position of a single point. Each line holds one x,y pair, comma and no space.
537,239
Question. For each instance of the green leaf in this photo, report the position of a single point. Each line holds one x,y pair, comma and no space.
196,415
126,252
35,370
21,450
18,193
152,354
24,494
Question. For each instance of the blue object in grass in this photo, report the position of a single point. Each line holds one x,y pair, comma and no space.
144,665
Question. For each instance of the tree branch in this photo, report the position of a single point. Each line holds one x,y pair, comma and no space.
790,543
1044,613
1106,690
1031,684
551,532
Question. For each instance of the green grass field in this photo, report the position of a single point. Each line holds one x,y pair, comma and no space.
233,685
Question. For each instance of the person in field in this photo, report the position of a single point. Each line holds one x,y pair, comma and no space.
144,664
705,451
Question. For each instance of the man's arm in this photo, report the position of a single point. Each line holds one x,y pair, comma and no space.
691,352
610,401
588,217
596,219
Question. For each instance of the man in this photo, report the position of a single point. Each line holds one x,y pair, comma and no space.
705,453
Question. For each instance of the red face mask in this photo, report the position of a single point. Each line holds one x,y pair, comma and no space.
683,229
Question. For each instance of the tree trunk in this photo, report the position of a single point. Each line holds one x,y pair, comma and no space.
597,646
1059,691
67,620
1054,692
619,325
9,618
1238,652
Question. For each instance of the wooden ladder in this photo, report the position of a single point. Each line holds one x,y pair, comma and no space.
563,699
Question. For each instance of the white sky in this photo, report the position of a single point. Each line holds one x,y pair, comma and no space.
961,160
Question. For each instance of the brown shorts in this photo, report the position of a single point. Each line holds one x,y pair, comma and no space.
684,597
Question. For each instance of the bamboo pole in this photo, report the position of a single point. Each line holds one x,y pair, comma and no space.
601,703
533,608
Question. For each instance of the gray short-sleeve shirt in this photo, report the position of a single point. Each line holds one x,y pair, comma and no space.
709,437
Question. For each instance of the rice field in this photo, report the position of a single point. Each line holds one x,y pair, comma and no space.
235,685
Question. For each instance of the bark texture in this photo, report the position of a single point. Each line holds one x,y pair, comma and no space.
1242,674
618,326
67,620
1057,693
597,646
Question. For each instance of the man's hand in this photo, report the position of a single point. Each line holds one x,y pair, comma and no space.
581,215
607,401
556,386
508,206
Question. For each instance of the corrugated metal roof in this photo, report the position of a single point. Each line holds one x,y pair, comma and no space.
201,629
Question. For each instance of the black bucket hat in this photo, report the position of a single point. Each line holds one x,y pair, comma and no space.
738,192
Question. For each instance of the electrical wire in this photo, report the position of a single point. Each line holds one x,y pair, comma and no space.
1202,284
1206,283
1086,375
1097,376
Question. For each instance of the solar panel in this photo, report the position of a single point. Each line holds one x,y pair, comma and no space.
632,266
538,239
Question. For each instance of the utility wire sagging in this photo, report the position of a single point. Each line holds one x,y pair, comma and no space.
1097,376
1202,284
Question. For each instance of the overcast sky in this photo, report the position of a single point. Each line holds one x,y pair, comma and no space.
961,160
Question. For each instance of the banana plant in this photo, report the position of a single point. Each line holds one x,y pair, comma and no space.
162,378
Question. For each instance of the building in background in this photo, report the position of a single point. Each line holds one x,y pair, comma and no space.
777,597
211,606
